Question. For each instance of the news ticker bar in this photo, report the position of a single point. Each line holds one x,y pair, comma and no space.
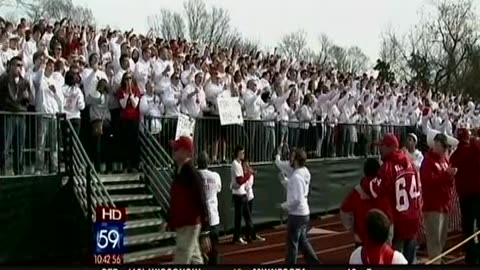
199,267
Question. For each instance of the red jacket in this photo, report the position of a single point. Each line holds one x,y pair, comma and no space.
437,184
130,112
398,192
466,159
356,205
188,204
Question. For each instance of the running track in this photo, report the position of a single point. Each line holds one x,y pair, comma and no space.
332,243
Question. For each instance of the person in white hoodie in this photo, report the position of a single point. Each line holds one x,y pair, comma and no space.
49,101
151,108
212,187
74,100
298,185
413,153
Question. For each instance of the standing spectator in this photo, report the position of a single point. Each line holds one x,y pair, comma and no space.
358,203
397,191
15,97
74,100
143,69
151,109
188,209
298,186
101,126
129,97
467,182
250,175
377,250
239,192
212,187
49,101
437,185
410,149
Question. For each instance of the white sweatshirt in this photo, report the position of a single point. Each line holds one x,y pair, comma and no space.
213,186
74,101
297,193
48,101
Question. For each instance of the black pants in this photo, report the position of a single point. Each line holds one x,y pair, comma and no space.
470,209
241,210
130,142
253,233
213,256
76,124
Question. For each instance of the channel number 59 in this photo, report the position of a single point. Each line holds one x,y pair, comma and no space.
108,237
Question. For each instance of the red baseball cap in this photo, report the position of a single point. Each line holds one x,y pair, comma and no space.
184,143
389,140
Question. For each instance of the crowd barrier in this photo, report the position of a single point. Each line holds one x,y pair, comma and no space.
263,139
29,143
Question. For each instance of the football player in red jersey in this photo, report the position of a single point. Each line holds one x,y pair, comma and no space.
397,192
358,203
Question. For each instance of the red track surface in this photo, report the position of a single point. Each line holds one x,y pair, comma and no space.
332,247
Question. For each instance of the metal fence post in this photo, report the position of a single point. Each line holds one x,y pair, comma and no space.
88,175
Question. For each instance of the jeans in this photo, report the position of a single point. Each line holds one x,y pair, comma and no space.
270,144
297,239
47,138
470,209
12,131
408,248
241,210
187,249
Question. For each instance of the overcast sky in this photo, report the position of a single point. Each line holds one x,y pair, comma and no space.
346,22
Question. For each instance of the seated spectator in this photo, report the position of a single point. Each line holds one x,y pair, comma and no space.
376,250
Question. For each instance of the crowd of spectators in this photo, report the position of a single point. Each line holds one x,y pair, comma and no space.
108,82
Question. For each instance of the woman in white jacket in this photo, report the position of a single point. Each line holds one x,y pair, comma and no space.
151,110
305,116
74,100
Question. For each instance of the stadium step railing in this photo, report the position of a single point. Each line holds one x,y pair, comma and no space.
145,229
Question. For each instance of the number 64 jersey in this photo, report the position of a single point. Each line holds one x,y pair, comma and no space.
397,191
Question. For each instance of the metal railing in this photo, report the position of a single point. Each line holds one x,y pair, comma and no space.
87,186
29,144
156,165
262,139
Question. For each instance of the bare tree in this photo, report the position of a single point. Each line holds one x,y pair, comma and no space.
56,9
218,26
167,24
197,18
339,58
178,25
154,23
293,45
358,60
325,45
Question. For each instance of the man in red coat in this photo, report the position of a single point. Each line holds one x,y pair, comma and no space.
466,159
437,183
188,208
397,192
